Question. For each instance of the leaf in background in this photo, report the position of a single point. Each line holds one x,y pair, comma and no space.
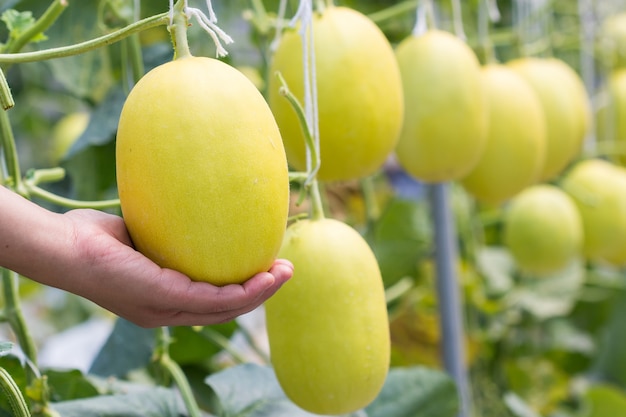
154,402
129,347
604,400
399,238
551,296
190,346
416,392
610,364
496,266
251,390
88,75
69,385
517,406
20,22
90,162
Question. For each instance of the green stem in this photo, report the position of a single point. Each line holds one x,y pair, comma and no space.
250,340
7,145
394,11
178,32
317,206
164,359
14,315
223,342
136,58
18,405
79,48
33,190
306,130
180,379
6,99
372,211
44,22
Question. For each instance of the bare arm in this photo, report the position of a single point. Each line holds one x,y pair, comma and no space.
89,253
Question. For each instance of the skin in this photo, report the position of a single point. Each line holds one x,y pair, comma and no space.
89,253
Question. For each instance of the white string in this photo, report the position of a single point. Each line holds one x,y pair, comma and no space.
304,15
211,28
282,9
424,9
171,12
212,16
458,20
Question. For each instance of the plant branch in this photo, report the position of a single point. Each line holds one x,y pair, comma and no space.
79,48
14,315
13,394
44,22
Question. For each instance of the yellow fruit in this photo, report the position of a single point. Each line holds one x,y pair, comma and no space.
201,171
516,138
67,130
328,327
445,124
359,95
599,190
611,119
565,105
543,229
611,42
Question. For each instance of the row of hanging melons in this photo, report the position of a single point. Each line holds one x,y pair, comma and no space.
496,128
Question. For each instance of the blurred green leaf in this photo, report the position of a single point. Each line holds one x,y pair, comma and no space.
399,238
610,362
69,385
20,22
192,347
153,402
251,390
497,267
129,347
604,400
416,392
553,295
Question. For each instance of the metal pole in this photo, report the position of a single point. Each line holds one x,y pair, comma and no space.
449,300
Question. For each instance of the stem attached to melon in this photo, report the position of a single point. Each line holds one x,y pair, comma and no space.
310,185
178,31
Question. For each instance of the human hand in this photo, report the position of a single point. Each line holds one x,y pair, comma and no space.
110,272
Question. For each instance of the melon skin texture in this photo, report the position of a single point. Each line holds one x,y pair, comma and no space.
201,171
543,229
566,108
516,139
359,93
328,326
445,123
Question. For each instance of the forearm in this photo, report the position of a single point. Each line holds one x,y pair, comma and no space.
32,238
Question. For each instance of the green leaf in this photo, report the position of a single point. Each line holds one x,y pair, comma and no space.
604,400
19,22
155,402
400,237
416,392
497,266
551,296
251,390
128,347
69,385
192,347
610,360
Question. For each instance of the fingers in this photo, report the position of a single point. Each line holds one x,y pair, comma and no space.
204,304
